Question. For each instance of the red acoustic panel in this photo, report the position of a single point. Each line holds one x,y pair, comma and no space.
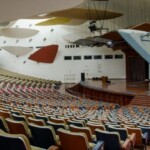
46,54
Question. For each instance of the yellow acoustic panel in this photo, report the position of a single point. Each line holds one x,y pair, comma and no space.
83,13
61,21
54,21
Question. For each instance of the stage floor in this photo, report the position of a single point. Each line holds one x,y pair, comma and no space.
119,85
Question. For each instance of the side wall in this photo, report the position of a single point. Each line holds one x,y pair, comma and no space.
60,69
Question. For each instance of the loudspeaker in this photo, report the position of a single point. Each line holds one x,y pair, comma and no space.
82,76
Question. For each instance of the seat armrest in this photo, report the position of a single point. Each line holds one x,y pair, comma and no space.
126,145
53,147
145,137
99,145
133,138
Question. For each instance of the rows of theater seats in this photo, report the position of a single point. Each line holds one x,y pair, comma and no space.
38,112
18,85
70,128
26,86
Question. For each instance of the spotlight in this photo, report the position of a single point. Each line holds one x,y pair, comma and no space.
110,43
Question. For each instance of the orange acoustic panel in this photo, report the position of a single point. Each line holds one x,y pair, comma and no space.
46,54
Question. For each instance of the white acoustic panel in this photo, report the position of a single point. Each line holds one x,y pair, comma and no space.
138,40
17,50
18,32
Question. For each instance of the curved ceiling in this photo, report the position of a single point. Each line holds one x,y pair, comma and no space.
16,9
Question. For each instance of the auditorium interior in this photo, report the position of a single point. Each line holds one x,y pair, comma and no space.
74,75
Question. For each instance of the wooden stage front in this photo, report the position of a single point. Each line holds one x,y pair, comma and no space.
117,91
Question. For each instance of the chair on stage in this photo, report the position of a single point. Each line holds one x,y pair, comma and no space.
112,140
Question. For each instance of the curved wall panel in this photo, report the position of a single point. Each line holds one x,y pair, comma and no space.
46,54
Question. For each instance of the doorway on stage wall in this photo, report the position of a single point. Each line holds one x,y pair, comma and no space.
137,69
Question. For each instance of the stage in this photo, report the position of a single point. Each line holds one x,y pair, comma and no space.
117,91
120,85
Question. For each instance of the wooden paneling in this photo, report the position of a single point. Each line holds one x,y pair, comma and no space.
103,95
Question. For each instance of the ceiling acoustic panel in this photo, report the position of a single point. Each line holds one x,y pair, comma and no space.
45,55
54,21
61,21
17,9
18,32
83,13
115,36
17,50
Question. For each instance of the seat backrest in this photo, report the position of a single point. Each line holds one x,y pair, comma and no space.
39,122
73,141
29,114
45,118
14,142
3,125
17,127
111,139
15,112
5,114
76,123
85,130
138,134
57,120
20,118
93,126
122,131
56,126
43,136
